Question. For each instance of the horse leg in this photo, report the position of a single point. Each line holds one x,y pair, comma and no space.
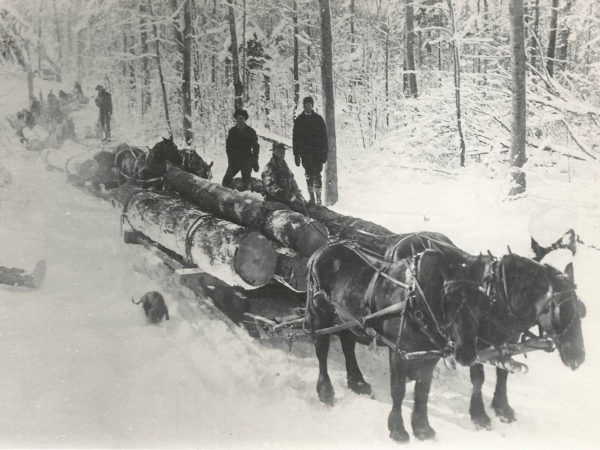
477,410
356,382
398,389
500,400
420,421
324,386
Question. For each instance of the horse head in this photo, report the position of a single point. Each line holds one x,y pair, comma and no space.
561,315
462,303
193,163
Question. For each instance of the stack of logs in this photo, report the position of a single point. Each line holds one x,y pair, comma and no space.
235,236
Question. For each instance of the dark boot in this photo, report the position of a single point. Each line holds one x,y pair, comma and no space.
318,196
311,193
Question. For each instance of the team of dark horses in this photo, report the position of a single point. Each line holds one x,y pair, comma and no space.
427,299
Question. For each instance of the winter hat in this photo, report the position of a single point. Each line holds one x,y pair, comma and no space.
308,100
240,112
99,88
278,146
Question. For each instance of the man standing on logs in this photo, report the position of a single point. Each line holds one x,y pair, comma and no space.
242,150
311,147
104,103
278,179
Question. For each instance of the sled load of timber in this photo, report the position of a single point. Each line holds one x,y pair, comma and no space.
247,255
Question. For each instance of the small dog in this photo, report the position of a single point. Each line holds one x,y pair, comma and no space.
154,306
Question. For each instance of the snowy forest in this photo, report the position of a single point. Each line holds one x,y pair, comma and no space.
398,68
478,119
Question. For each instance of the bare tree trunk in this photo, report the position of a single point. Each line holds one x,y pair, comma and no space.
186,91
60,55
146,96
456,58
519,99
238,87
552,38
244,54
213,58
132,75
331,185
160,71
124,69
387,71
563,38
352,32
295,69
534,35
79,55
39,41
410,52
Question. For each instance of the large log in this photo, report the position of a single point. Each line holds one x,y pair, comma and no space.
236,255
286,227
366,233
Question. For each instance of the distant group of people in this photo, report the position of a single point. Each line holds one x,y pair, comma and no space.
310,148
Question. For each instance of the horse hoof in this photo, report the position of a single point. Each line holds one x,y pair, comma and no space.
399,435
505,413
482,422
326,395
424,433
360,387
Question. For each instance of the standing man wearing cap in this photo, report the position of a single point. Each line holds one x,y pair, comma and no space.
278,179
104,103
242,150
310,147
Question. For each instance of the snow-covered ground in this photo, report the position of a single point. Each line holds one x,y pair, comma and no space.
81,367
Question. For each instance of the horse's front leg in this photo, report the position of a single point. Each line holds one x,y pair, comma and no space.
324,386
500,400
477,410
356,382
420,421
398,389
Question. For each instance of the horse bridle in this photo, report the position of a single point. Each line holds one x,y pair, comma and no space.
547,308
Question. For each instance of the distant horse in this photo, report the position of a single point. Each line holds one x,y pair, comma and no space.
128,162
428,306
147,168
525,293
166,151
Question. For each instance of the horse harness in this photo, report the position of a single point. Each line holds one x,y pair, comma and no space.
381,265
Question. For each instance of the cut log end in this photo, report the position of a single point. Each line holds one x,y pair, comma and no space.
255,259
311,237
292,270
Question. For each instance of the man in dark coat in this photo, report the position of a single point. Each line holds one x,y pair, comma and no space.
278,179
311,147
104,103
242,150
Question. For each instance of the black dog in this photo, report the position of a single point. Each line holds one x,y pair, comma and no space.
154,306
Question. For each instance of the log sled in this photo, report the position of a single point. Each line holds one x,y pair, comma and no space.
248,256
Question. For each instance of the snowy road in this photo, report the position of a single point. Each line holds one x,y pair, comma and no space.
81,367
